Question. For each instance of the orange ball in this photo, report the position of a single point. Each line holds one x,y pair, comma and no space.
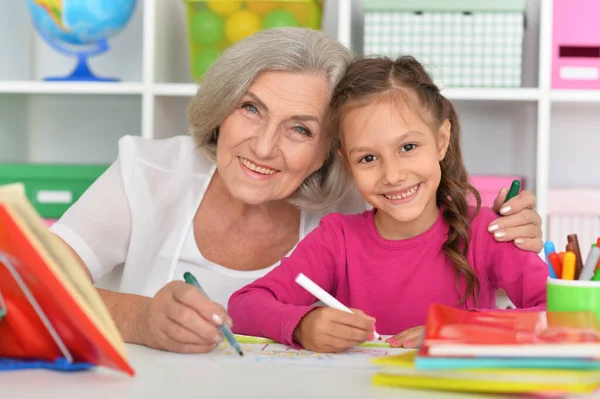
263,7
303,11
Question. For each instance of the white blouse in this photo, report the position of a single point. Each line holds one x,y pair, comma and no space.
139,215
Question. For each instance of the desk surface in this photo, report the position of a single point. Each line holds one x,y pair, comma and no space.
165,375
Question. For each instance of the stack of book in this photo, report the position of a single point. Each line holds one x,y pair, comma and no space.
511,352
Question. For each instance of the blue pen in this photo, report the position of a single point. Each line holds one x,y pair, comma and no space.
548,249
224,328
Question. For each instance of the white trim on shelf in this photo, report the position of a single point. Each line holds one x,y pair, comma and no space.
509,94
148,72
174,89
543,136
557,95
344,22
42,87
499,94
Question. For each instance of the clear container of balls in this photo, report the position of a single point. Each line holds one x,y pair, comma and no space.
214,25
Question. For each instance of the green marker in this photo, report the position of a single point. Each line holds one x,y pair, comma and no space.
512,192
514,189
224,328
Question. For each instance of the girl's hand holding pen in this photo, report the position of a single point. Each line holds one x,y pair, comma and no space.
328,330
180,319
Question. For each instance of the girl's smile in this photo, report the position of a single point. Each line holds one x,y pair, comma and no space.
402,196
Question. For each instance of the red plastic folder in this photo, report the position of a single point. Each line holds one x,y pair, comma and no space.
51,310
455,332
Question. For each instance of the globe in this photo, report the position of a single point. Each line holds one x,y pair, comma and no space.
80,28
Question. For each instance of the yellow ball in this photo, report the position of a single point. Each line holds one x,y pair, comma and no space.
262,7
241,24
223,7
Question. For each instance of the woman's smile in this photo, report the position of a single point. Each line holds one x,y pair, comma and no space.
255,170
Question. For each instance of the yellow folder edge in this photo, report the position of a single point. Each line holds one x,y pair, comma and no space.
459,385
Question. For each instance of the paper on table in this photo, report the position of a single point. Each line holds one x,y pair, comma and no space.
265,351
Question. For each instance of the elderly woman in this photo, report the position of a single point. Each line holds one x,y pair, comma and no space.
229,202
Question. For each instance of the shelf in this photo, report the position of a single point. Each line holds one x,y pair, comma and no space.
517,94
189,90
500,94
41,87
575,95
66,128
175,89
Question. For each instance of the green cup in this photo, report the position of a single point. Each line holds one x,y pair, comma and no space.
573,296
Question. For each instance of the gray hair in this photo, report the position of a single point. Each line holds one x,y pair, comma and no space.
224,84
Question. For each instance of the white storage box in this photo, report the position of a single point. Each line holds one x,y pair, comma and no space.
463,43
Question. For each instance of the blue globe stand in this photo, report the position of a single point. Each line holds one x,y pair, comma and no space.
82,72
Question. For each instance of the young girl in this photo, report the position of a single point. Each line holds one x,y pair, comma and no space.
420,244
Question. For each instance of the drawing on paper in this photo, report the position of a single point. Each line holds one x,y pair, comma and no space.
278,354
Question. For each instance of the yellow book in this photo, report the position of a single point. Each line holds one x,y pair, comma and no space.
400,371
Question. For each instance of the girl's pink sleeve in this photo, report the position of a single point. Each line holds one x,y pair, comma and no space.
273,305
522,274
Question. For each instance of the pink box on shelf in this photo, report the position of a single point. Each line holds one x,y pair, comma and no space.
576,44
489,186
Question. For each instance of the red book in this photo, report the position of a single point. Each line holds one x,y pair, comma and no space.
503,333
52,308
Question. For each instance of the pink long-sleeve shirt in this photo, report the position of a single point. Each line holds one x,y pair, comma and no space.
394,281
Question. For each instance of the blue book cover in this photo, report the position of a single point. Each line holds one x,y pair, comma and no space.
61,364
431,363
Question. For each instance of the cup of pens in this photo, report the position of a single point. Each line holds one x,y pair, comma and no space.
574,282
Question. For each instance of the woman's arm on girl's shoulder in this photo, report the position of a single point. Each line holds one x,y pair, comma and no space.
522,274
273,305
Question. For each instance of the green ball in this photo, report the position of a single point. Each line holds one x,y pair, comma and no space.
204,59
278,19
207,28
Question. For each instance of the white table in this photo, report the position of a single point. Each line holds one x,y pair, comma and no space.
164,375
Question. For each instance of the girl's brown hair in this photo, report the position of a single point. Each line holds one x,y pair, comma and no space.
401,80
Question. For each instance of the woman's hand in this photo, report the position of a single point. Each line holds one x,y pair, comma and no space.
330,330
411,338
180,319
520,221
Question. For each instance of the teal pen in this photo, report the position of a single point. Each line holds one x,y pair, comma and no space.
224,328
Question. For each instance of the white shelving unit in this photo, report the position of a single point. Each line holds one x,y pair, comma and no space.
548,136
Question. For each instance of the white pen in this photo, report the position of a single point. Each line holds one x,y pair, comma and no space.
324,296
590,265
